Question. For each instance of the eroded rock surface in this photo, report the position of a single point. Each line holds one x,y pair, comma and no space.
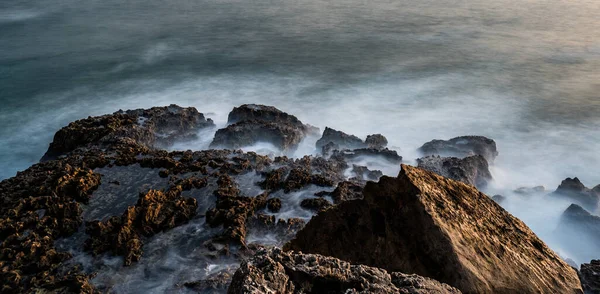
275,271
435,227
575,190
463,146
590,276
340,139
472,170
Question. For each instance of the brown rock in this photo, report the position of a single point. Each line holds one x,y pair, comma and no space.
432,226
275,271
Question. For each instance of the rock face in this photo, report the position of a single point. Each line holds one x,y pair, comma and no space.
462,147
154,127
340,139
275,271
573,189
250,124
435,227
579,232
472,170
377,141
590,276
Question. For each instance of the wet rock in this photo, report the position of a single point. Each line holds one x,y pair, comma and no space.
472,170
574,190
340,139
530,190
215,283
275,271
462,147
376,141
590,276
344,191
578,232
299,173
250,124
285,230
435,227
387,154
155,211
316,204
274,204
150,128
362,173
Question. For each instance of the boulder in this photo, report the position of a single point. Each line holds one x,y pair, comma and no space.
389,155
462,147
472,170
590,276
250,124
376,141
157,127
340,139
275,271
573,189
425,224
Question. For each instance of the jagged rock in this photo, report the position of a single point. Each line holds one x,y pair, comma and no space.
274,204
214,283
284,229
590,276
462,147
578,232
472,170
150,128
376,141
387,154
250,124
154,212
275,271
344,191
316,204
299,173
573,189
362,173
432,226
340,139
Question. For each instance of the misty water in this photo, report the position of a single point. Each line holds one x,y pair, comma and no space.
525,73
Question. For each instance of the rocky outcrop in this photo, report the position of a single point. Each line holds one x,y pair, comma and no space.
340,139
250,124
376,141
435,227
344,191
573,189
590,276
157,127
472,170
349,155
154,212
578,232
462,147
275,271
316,204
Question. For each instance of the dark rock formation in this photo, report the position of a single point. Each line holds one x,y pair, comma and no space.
362,173
154,212
530,190
387,154
498,198
462,147
316,204
579,232
250,124
275,271
216,283
344,191
376,141
151,128
340,139
472,170
573,189
432,226
590,276
274,204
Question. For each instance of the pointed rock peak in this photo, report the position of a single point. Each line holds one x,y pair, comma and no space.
425,224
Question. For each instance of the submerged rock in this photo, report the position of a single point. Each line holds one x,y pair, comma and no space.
573,189
590,276
472,170
435,227
250,124
275,271
462,147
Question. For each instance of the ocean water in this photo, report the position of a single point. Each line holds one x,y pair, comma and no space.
525,73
